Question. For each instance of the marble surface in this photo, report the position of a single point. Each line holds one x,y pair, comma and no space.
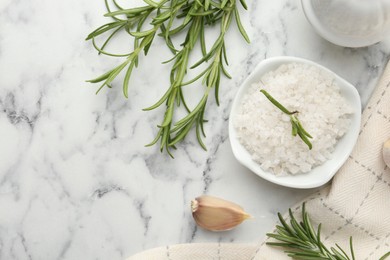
76,181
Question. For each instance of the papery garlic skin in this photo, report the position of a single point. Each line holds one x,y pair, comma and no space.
217,214
386,153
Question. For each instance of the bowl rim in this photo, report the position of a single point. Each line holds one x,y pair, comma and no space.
300,181
348,40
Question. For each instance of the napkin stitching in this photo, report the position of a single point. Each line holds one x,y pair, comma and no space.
378,176
369,108
381,178
379,246
366,231
168,255
298,208
349,221
364,200
258,248
373,251
331,209
219,251
384,116
364,166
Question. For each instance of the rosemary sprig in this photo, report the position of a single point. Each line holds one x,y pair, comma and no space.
297,128
211,76
196,15
303,242
136,17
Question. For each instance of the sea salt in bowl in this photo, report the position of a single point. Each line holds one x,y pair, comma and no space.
320,174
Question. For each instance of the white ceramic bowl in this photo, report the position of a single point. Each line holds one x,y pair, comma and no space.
320,174
349,23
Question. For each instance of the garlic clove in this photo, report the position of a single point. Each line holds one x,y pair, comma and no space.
386,153
217,214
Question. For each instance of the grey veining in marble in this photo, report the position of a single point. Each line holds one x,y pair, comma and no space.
76,181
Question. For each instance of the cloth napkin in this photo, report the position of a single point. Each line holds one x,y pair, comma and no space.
357,203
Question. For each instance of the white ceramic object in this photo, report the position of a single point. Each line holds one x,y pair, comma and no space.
320,174
349,23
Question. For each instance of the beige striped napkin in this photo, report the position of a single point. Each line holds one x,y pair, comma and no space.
356,204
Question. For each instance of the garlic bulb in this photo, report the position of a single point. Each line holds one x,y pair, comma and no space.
216,214
386,152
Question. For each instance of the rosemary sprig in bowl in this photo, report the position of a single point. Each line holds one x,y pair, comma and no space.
193,17
297,128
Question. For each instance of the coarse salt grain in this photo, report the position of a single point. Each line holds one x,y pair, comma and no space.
265,131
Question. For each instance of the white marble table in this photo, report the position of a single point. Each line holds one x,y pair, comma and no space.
76,181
